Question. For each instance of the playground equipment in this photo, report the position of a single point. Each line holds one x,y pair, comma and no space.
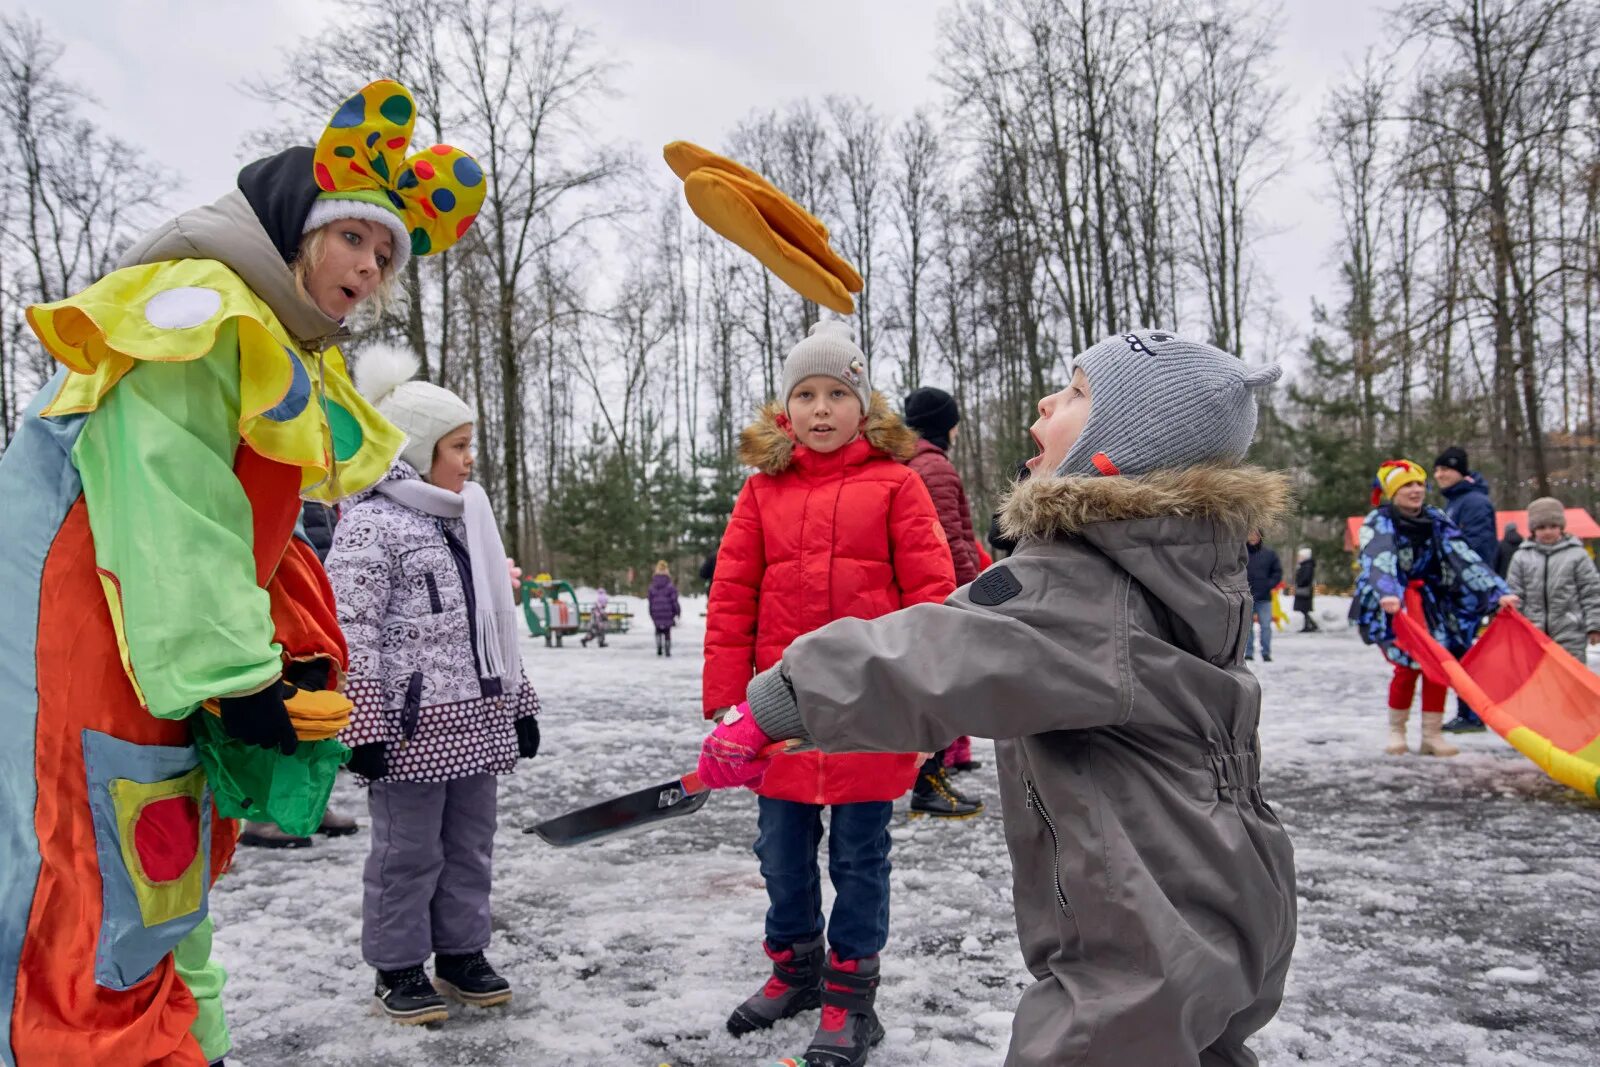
551,609
553,612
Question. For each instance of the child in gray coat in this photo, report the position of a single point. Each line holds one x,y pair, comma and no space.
1556,580
1154,886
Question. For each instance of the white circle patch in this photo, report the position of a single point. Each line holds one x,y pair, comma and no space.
179,309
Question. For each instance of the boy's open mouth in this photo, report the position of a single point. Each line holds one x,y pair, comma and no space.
1037,455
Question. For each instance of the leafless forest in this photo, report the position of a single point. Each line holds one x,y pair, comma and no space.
1086,167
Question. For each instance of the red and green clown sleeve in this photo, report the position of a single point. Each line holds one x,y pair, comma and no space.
151,494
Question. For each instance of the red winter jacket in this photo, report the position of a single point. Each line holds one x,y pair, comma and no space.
813,538
950,500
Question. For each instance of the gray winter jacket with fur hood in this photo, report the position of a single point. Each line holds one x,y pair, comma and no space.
1154,886
1560,591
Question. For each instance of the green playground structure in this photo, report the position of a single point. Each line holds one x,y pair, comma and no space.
552,611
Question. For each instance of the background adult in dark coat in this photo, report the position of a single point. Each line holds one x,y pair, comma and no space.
1305,589
1469,506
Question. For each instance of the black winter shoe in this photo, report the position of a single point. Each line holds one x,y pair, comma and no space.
406,996
269,835
935,795
470,980
795,986
1465,722
850,1026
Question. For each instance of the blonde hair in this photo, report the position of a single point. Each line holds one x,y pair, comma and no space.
661,567
313,247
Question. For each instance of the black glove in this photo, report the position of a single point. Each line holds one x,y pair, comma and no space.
528,736
261,719
309,673
369,760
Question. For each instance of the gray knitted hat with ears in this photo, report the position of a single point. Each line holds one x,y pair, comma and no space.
828,350
1160,402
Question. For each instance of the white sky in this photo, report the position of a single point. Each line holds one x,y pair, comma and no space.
167,76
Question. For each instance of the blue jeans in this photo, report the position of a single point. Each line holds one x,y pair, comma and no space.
858,866
1262,613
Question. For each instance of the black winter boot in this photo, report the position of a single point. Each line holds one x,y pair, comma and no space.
470,980
850,1025
406,996
935,795
795,986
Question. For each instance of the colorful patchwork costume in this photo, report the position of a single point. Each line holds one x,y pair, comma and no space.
151,497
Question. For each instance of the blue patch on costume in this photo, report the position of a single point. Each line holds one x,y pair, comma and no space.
299,395
128,950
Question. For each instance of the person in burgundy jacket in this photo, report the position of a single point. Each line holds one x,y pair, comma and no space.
830,526
936,417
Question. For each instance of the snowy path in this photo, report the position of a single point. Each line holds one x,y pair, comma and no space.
1447,907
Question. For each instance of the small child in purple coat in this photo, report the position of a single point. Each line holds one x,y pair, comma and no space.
664,609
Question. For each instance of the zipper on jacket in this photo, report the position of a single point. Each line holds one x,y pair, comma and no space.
1035,804
434,600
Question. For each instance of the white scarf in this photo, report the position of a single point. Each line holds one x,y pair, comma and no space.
496,624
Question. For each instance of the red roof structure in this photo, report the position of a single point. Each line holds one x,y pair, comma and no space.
1579,523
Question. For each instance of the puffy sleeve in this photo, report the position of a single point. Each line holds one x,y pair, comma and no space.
360,570
1588,581
948,669
174,544
922,563
950,502
731,612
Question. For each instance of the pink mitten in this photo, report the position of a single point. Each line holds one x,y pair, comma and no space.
728,757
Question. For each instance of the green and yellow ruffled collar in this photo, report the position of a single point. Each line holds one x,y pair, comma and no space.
294,407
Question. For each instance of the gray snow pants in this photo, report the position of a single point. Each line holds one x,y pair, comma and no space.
426,886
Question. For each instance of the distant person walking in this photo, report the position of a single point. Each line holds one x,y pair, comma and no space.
1305,591
1265,572
664,609
597,620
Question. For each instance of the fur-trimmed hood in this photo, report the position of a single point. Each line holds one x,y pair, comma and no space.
768,445
1238,498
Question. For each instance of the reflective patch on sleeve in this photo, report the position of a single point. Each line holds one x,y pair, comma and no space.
996,586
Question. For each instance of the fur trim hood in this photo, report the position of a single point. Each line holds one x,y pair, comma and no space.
1242,498
768,446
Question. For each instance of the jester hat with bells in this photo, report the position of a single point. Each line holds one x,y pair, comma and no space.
754,214
428,200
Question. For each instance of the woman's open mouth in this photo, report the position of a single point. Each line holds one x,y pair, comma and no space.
349,293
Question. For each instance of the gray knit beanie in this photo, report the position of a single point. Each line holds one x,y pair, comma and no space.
828,350
1158,401
1547,511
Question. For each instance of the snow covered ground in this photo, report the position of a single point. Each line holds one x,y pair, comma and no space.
1447,907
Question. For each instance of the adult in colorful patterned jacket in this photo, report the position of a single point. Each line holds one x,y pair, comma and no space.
1407,544
152,493
442,705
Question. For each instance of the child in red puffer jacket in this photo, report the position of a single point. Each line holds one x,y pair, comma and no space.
832,527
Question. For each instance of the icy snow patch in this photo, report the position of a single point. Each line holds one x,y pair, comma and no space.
1515,975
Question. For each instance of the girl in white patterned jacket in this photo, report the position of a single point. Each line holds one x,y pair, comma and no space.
442,705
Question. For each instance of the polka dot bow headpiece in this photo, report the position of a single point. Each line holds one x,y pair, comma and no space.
428,199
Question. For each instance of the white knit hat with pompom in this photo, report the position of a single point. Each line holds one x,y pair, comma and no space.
424,412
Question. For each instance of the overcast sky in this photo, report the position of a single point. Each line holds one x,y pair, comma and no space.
167,77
